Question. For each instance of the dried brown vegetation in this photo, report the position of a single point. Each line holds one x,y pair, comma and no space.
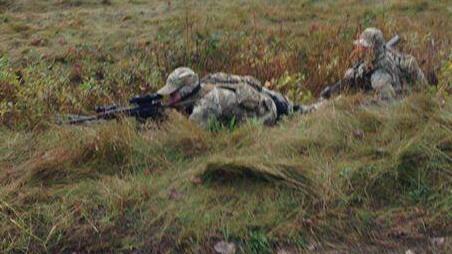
353,177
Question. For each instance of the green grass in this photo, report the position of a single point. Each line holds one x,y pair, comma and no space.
352,177
72,55
176,187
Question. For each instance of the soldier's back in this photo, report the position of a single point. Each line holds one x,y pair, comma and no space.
226,97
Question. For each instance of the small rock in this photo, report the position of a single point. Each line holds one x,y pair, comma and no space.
437,241
62,41
312,247
196,180
442,102
283,251
223,247
308,222
409,252
174,194
37,42
380,151
359,134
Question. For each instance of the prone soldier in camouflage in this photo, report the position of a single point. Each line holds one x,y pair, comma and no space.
223,97
390,71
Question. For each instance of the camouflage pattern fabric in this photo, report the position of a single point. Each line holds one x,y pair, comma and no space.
226,97
383,70
392,74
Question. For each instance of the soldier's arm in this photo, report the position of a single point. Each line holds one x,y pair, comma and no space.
355,73
270,112
207,108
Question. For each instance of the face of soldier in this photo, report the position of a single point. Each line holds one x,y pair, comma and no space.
365,54
361,51
174,98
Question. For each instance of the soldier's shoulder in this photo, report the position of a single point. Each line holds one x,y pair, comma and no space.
209,89
218,77
221,78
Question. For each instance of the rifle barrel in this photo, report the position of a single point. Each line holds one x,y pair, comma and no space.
393,41
108,114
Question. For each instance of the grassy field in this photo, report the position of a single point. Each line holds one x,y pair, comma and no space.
348,178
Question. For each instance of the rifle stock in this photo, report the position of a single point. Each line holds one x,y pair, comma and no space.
330,90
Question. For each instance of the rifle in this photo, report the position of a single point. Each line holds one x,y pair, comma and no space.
339,85
148,106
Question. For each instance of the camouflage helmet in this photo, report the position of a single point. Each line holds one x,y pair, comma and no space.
371,38
182,78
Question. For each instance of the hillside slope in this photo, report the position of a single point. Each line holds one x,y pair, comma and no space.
346,176
355,176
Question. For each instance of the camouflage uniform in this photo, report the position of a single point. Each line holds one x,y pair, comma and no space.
389,70
226,97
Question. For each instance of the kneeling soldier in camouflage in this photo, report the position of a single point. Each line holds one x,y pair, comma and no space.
390,71
381,69
223,97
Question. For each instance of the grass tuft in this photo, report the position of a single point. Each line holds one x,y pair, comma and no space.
229,169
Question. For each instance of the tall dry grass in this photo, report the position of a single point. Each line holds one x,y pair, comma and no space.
299,47
313,177
354,176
